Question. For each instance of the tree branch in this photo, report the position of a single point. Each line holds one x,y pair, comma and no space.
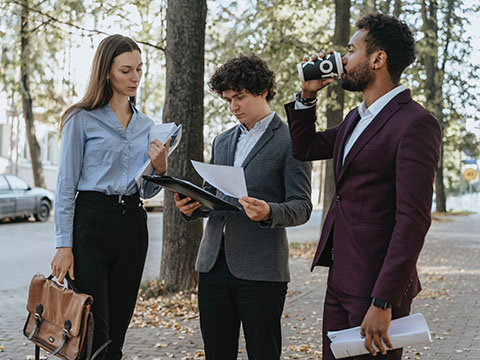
43,23
448,27
51,18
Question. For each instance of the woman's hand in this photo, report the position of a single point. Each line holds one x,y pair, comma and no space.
62,263
158,153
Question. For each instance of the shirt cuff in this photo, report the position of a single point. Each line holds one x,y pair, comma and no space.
63,241
300,106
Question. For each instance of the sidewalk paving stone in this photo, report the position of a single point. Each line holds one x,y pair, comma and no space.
449,269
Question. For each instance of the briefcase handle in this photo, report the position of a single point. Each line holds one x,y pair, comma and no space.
70,282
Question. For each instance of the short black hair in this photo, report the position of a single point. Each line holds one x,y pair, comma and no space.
393,36
247,72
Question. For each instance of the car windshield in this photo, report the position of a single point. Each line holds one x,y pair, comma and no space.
16,183
3,183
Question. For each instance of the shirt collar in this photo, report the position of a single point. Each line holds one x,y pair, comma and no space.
260,126
380,103
134,108
132,105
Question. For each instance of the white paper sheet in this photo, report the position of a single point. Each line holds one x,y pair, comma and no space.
161,132
228,179
409,330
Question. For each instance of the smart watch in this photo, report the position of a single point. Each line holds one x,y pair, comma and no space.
382,304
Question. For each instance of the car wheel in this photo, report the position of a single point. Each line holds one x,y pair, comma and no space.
43,211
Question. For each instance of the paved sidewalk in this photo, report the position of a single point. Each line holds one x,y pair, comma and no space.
449,269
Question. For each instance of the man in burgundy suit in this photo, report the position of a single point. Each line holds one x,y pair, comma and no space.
385,155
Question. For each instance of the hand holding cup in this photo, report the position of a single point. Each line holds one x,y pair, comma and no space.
319,71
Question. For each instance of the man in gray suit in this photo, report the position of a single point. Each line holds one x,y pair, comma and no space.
243,256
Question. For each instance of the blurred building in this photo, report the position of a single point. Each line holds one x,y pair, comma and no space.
14,151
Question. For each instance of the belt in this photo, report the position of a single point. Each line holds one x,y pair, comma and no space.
120,202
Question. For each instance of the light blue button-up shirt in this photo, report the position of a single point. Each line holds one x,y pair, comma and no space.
97,154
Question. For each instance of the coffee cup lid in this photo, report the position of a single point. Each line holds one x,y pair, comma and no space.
338,62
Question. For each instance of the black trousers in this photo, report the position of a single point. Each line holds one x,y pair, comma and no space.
224,301
109,246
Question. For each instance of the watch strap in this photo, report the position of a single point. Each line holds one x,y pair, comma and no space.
305,101
382,304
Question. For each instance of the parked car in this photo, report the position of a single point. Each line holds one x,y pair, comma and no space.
18,199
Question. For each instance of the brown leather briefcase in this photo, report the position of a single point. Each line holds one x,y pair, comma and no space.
59,320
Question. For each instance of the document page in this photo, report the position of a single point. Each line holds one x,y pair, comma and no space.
228,179
409,330
161,132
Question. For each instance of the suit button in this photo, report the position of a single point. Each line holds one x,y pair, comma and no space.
338,198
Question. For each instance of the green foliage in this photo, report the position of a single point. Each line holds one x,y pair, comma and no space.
457,78
57,28
279,31
48,53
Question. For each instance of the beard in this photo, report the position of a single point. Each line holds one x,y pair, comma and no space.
358,78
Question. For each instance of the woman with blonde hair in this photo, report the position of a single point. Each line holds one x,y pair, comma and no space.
100,224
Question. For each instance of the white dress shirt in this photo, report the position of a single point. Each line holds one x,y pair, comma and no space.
248,138
367,115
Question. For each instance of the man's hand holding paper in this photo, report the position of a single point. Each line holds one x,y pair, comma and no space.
375,328
231,181
256,209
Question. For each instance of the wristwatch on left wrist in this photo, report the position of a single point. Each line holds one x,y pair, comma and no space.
305,101
382,304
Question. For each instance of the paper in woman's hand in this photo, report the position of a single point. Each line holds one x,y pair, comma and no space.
161,132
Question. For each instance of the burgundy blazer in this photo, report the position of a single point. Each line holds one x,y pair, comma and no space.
380,212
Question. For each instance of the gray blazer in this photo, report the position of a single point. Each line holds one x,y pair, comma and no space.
258,250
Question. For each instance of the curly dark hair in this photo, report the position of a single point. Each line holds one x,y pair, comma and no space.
393,36
247,72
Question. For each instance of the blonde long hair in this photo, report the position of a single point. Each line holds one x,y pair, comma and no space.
99,91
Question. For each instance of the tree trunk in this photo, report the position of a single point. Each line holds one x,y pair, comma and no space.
183,104
335,94
433,86
397,8
369,6
25,61
146,82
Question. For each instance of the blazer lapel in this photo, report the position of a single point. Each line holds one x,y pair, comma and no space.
351,121
377,123
264,139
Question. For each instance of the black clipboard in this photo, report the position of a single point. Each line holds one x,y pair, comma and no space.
209,201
